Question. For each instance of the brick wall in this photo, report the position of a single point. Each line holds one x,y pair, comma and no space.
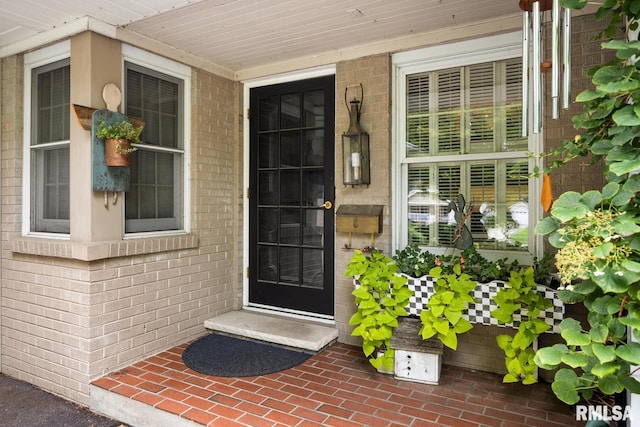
11,95
67,321
578,175
374,73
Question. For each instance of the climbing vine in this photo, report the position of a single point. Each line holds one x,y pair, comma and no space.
598,233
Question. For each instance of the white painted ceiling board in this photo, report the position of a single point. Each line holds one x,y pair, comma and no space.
245,34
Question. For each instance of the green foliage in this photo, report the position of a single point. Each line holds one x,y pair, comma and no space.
120,130
521,295
443,315
598,232
381,297
416,262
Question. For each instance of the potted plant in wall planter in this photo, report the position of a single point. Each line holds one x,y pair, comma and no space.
118,138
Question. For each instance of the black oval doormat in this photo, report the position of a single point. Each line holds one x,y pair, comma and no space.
225,356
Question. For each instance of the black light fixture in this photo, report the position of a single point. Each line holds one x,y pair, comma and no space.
355,146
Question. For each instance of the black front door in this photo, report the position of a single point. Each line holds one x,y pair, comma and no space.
291,221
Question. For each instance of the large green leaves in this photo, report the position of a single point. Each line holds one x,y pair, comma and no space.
569,206
443,315
598,233
381,296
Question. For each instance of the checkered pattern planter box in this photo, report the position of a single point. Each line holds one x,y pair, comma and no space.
480,312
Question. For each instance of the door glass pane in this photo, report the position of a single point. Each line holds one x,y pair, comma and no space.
313,227
268,225
313,187
290,154
268,119
268,151
290,265
290,111
313,148
290,226
290,188
313,275
268,188
314,109
268,263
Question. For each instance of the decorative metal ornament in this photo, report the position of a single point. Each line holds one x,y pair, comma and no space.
533,64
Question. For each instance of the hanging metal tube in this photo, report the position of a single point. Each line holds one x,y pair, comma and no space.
537,74
525,73
566,59
555,59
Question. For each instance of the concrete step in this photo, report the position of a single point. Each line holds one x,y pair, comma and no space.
295,333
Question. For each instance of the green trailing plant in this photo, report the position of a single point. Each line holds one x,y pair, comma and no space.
121,130
381,297
521,295
443,316
598,233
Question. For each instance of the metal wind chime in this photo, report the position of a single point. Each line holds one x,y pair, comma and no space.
533,64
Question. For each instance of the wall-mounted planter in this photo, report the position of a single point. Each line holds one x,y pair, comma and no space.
106,178
117,152
484,293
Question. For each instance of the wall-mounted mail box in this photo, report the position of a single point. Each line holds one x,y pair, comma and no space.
365,219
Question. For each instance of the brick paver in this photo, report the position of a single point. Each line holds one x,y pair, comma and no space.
337,387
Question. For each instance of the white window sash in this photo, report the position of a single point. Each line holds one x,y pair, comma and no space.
489,49
182,72
33,60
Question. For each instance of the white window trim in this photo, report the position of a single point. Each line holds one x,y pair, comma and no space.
34,60
183,72
492,48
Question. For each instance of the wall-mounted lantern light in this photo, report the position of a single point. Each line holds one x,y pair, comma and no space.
355,146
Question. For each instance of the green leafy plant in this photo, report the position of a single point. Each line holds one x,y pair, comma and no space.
443,316
416,262
599,265
598,233
521,295
381,297
121,130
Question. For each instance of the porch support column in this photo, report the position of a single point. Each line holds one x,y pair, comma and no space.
95,61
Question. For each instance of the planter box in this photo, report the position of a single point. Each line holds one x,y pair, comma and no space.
480,312
416,359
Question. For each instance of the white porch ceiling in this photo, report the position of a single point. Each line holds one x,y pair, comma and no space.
235,36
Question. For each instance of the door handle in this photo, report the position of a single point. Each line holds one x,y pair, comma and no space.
328,205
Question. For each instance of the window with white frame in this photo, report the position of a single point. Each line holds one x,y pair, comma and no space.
156,198
461,131
47,92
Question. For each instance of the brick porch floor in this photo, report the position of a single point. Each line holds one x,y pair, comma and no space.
335,388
